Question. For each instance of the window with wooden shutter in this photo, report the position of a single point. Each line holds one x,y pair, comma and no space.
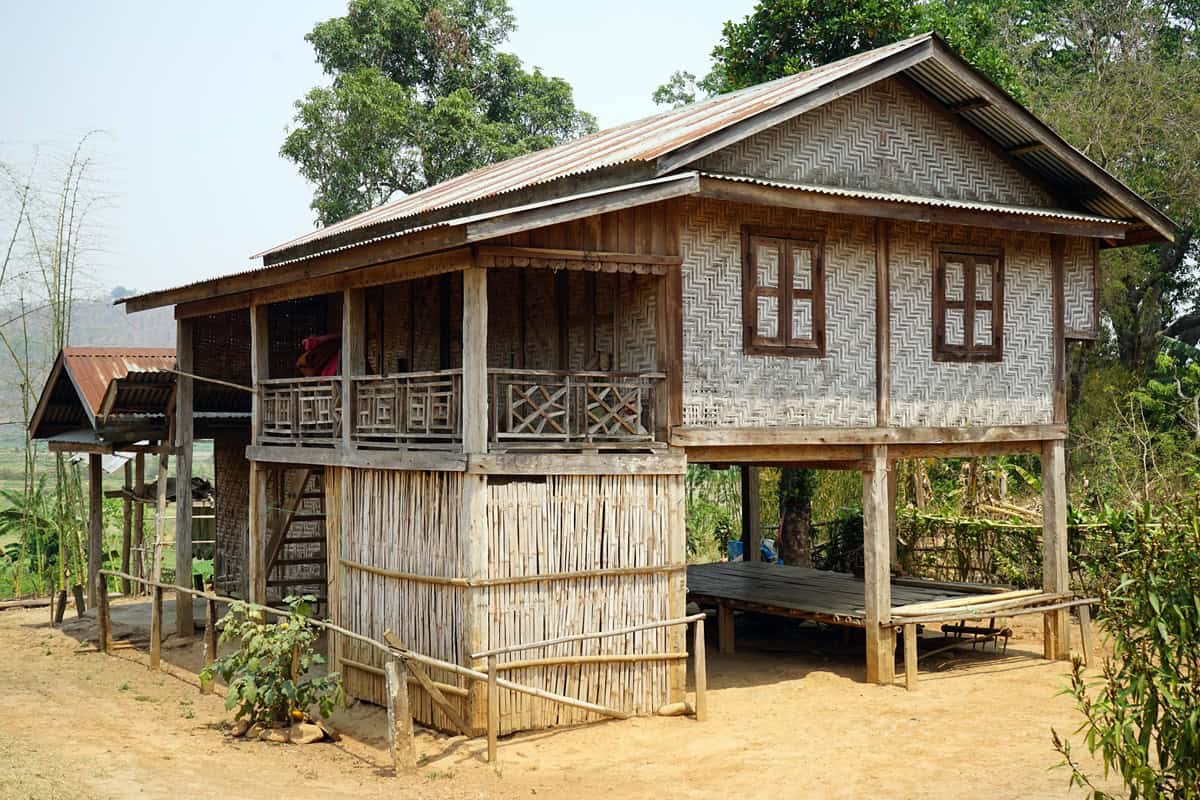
783,293
968,303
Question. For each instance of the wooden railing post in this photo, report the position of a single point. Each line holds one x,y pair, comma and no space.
156,611
103,620
493,709
210,641
400,728
910,657
700,665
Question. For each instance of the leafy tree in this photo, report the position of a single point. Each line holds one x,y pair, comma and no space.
419,93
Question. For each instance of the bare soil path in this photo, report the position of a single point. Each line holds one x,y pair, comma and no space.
789,718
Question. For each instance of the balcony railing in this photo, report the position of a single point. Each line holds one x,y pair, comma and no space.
530,409
413,409
301,411
544,408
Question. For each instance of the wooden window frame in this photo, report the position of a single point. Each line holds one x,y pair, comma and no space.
968,351
783,344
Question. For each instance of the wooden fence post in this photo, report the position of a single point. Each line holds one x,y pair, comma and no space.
210,642
910,657
156,610
103,620
700,665
493,710
400,728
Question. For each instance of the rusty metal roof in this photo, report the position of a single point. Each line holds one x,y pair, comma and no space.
92,369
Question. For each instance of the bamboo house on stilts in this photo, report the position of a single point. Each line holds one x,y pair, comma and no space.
475,405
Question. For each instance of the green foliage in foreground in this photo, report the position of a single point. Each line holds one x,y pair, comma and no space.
267,675
1143,717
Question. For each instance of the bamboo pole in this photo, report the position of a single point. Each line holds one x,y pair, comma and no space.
493,709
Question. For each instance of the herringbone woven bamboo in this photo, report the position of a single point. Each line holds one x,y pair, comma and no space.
882,138
725,387
1014,391
1079,268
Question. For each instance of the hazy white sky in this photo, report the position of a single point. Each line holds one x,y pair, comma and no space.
195,99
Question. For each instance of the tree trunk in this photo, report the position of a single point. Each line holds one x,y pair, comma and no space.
796,488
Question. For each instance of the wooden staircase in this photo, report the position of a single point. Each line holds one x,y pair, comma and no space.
296,554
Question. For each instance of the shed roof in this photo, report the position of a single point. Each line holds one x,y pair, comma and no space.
670,142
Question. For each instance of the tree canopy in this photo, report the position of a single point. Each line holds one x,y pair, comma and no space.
419,92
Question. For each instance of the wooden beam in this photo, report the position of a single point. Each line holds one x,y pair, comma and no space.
914,211
798,435
1056,576
534,463
184,406
883,324
805,456
484,253
406,269
964,449
95,547
877,579
364,458
1028,147
474,361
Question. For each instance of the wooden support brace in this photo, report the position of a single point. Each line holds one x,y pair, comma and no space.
435,694
400,726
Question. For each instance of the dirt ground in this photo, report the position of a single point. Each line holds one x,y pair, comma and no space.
789,717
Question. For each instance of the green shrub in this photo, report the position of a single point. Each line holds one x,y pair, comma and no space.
1143,716
267,675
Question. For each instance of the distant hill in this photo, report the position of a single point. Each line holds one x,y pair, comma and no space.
94,321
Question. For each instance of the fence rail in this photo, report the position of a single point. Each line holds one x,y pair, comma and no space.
402,660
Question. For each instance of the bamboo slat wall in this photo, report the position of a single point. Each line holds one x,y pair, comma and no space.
410,522
576,523
403,522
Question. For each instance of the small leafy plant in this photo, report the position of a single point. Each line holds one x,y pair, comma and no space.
268,674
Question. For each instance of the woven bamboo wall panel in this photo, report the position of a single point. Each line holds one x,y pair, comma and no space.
1079,275
574,523
231,476
884,138
1017,390
725,387
637,323
405,522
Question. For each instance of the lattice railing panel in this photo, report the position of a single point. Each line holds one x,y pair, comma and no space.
301,411
413,409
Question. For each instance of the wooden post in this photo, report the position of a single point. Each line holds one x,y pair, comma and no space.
677,584
95,555
877,579
256,567
474,361
126,525
1055,575
700,666
103,620
160,511
751,514
475,553
184,394
725,631
910,657
156,613
1086,634
139,520
493,709
400,727
260,361
893,533
210,641
353,356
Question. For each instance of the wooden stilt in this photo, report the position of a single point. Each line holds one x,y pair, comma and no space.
1055,574
725,633
138,556
877,580
893,531
156,612
103,619
400,727
184,625
700,666
160,513
751,514
95,554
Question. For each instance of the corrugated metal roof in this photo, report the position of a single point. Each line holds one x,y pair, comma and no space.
92,369
643,140
920,200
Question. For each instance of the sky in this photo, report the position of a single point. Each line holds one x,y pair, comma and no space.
192,102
